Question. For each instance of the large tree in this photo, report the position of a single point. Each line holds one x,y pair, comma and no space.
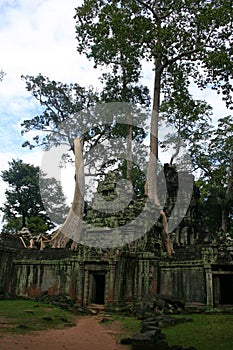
71,116
24,206
60,102
187,123
194,37
121,85
215,160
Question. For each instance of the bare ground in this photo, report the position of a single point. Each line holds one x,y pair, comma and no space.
88,334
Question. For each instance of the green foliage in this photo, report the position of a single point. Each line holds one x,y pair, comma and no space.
23,196
185,35
13,224
71,111
60,101
23,206
35,224
186,41
38,224
215,159
137,177
187,120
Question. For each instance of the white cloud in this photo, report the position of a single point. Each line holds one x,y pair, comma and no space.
39,37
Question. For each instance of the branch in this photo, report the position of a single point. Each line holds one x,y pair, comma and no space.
176,152
190,52
176,58
155,15
45,103
205,169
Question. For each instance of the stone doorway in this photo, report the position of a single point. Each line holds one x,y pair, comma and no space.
226,289
97,288
223,289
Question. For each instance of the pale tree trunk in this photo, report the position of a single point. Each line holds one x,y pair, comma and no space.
129,125
151,186
129,149
225,206
228,193
72,227
224,225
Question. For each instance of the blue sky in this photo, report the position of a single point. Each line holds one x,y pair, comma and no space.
38,36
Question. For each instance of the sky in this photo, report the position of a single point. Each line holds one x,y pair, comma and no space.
35,37
38,36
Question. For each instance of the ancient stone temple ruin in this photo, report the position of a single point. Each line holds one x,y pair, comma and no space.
199,272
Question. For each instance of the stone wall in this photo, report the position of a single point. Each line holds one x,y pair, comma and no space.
114,277
184,280
31,278
27,272
6,269
127,276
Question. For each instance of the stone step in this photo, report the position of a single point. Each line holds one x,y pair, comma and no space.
96,308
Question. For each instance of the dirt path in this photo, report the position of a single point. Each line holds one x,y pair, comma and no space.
88,334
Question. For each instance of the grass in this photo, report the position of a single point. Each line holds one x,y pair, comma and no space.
206,332
23,316
123,326
129,325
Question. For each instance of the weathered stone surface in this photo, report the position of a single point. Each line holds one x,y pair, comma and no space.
158,304
148,336
126,341
163,321
8,240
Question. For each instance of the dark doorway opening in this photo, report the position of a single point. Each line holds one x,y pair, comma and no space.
100,289
226,288
97,288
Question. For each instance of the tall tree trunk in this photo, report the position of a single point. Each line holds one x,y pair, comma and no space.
151,186
72,227
129,149
129,123
225,207
24,224
224,203
224,225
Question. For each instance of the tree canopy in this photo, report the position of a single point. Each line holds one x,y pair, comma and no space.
71,111
193,35
215,159
24,206
185,41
